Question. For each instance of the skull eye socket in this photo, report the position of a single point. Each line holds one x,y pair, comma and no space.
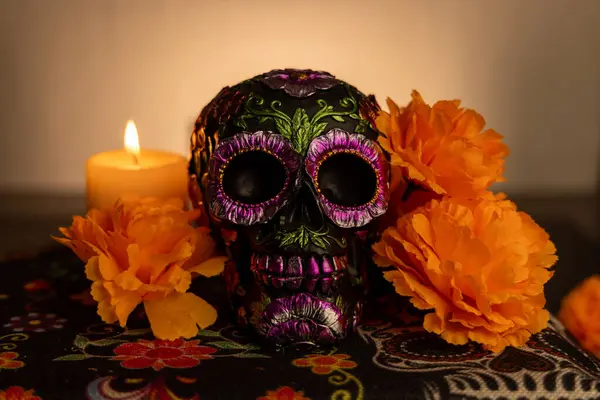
350,174
253,177
346,179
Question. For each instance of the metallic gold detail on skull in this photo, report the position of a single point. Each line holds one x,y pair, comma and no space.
377,172
251,149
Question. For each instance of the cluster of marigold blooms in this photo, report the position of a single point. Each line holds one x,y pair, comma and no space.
580,314
146,251
465,254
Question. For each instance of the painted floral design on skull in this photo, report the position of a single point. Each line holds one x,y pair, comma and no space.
289,162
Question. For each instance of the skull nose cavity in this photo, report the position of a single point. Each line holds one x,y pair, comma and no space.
305,209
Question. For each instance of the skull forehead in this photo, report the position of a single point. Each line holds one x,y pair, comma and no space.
286,90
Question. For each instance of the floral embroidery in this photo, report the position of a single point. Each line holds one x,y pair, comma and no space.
336,366
283,393
140,353
119,388
7,360
158,354
84,298
35,322
325,364
299,83
38,284
18,393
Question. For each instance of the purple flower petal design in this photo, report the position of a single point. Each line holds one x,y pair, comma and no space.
224,207
302,317
338,140
299,82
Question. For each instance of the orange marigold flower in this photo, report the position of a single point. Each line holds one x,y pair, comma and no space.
480,265
580,314
144,250
443,147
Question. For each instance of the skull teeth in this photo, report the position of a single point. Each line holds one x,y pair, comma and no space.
295,272
297,265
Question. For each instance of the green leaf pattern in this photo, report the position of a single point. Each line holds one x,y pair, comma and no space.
303,236
300,129
87,348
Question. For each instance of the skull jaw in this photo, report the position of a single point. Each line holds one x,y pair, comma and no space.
295,308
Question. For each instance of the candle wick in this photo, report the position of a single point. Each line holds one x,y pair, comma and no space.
136,159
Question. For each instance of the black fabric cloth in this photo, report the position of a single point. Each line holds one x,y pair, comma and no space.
54,346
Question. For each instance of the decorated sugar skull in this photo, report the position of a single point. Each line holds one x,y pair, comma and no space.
288,167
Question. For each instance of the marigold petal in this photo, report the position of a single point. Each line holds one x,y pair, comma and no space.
92,269
125,306
211,267
179,315
106,311
108,267
128,281
98,292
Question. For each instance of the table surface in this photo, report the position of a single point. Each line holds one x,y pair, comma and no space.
52,344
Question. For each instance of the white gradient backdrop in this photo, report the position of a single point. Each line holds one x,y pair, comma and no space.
73,71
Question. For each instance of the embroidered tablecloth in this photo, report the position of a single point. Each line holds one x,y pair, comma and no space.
54,346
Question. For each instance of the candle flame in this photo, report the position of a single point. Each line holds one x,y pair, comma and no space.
132,142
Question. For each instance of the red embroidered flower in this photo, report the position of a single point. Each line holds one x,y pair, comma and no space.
7,360
38,284
283,393
18,393
324,365
158,354
84,298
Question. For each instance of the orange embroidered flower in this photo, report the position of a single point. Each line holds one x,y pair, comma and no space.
144,250
284,393
18,393
480,265
325,364
442,148
7,360
580,314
